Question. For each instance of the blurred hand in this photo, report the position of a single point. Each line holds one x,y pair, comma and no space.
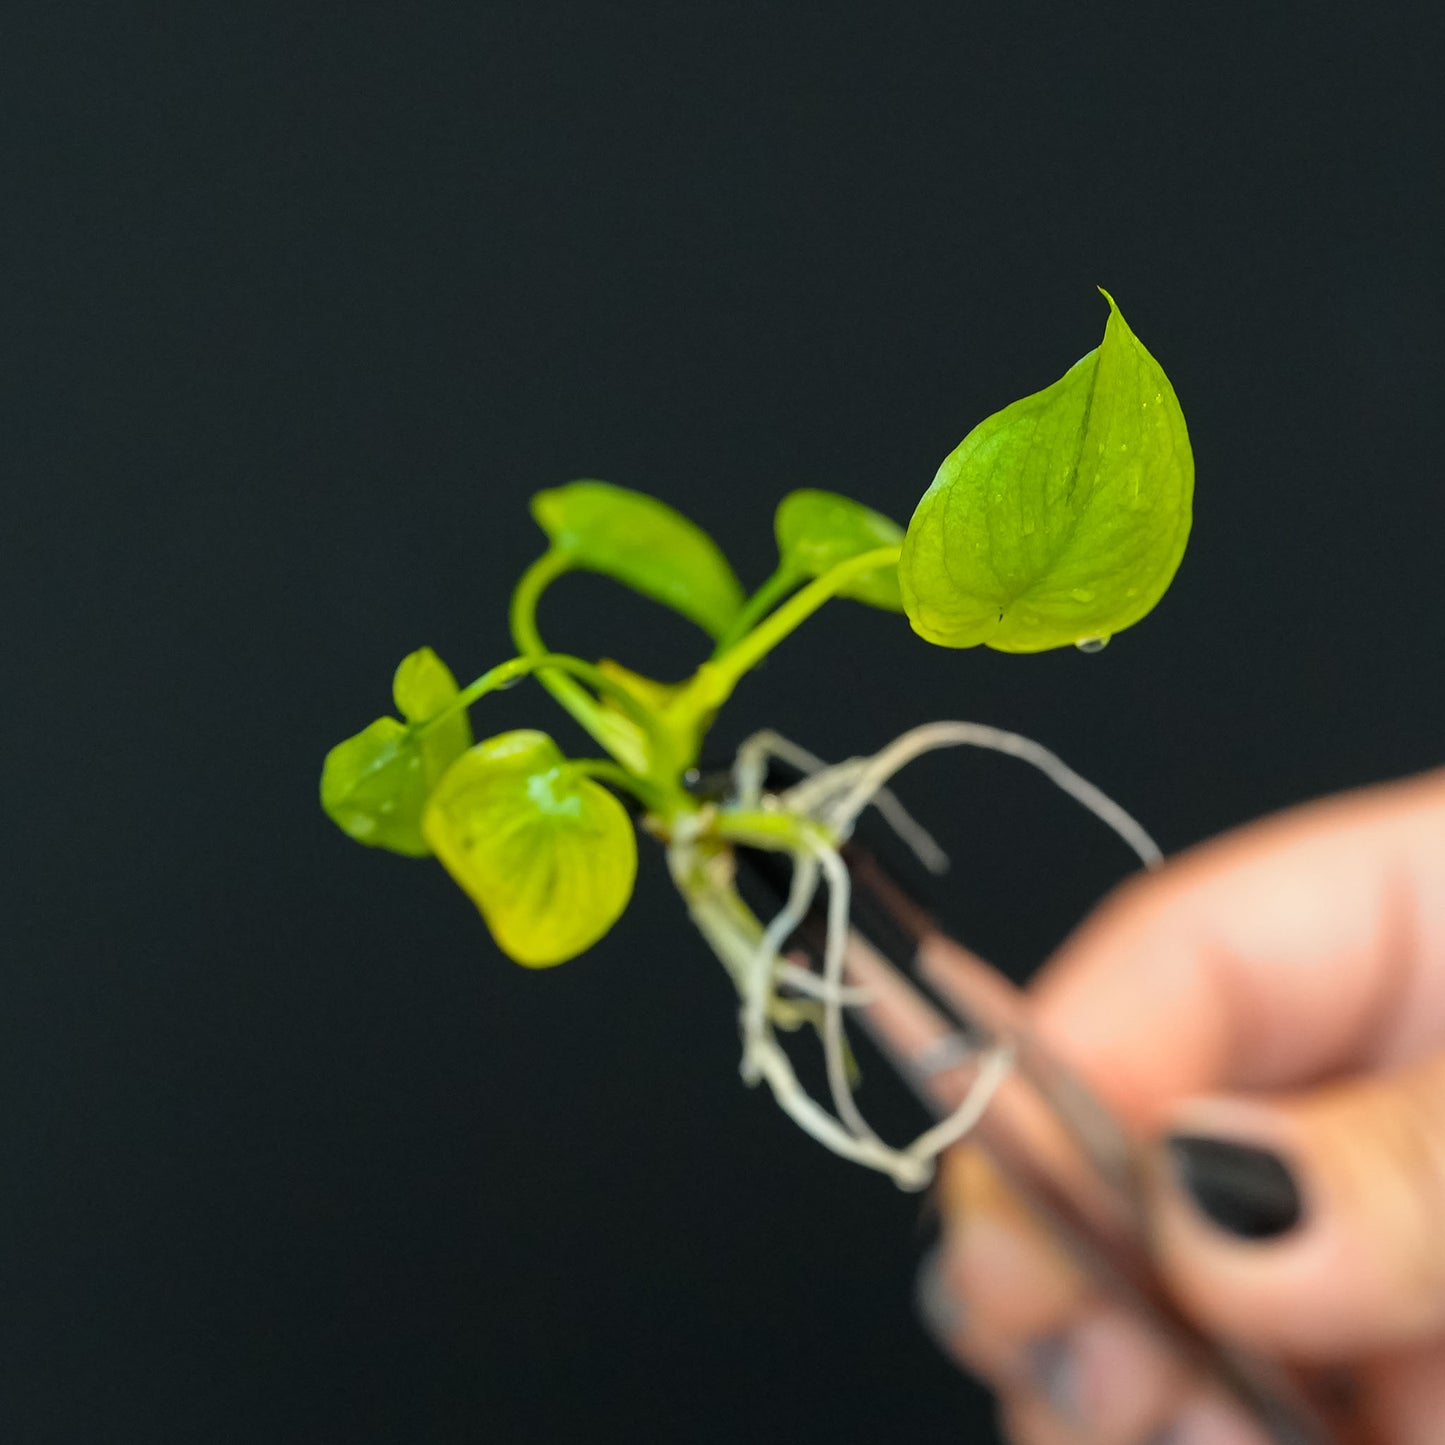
1268,1013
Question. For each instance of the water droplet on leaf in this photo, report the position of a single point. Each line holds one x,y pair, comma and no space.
1092,644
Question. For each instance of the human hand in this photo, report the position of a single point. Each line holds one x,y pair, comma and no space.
1267,1016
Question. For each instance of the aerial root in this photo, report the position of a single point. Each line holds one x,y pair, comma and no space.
825,806
758,977
844,1130
750,771
837,808
807,983
835,954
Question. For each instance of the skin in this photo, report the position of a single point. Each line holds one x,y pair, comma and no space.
1283,986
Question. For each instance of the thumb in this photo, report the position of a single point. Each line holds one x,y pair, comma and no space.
1311,1225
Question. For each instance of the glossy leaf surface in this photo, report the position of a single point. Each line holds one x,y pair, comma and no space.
816,530
375,784
644,544
548,856
1062,518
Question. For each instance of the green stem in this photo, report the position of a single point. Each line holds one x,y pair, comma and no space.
780,831
535,580
746,655
652,797
692,709
782,582
557,664
574,698
506,673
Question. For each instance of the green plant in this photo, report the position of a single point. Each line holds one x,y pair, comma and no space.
1058,521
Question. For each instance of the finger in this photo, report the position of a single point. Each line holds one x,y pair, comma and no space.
1311,1226
1018,1311
1198,1419
1403,1398
1025,1420
997,1282
1016,1279
1306,946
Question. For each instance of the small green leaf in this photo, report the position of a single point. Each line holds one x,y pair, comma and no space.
423,685
373,788
1061,519
816,530
422,688
375,784
643,543
547,855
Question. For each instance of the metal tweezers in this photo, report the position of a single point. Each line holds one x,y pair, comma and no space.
937,1010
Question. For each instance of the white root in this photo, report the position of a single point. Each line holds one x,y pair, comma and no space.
835,952
839,817
751,769
993,1070
807,983
905,1170
758,977
755,966
718,920
826,805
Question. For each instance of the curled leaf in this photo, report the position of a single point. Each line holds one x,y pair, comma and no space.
816,530
1061,519
644,544
548,856
375,784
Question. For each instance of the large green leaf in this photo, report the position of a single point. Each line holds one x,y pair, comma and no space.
644,544
375,784
816,530
548,856
1062,518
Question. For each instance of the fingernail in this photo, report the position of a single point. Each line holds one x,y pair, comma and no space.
1054,1373
1244,1190
939,1307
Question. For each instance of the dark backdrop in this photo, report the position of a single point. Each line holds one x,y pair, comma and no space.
300,305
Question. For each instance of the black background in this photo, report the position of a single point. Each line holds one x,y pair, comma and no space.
300,305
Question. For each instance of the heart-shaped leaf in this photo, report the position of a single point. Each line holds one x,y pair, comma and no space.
1061,519
547,855
644,544
816,530
375,784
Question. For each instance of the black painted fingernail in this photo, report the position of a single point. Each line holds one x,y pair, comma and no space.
1244,1190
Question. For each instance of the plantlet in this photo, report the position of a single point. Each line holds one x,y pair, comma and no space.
1058,521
